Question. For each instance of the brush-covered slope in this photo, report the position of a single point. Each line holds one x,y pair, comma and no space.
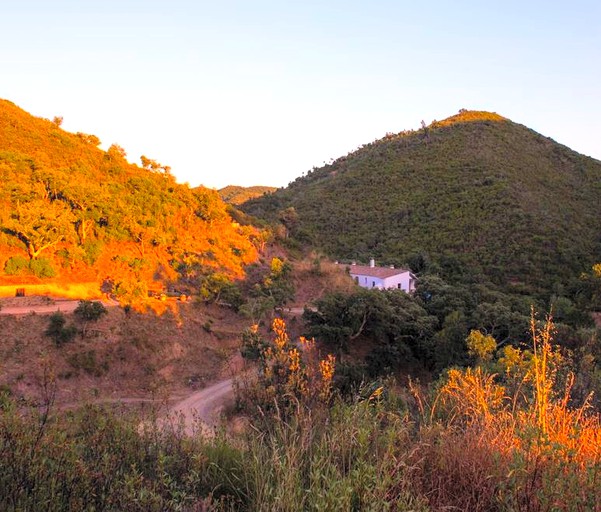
233,194
70,210
476,189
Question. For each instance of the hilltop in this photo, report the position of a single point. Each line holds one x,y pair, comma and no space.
71,212
474,194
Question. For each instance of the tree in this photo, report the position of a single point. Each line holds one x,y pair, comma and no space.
440,298
219,288
499,321
116,152
154,166
278,283
40,224
89,311
448,346
89,139
340,319
59,331
289,218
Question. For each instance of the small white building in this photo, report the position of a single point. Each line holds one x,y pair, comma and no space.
382,277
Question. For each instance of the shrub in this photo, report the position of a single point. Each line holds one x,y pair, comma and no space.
88,362
41,268
16,265
289,374
131,291
90,311
485,446
92,251
58,331
97,459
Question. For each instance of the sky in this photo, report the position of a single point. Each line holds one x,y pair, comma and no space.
258,93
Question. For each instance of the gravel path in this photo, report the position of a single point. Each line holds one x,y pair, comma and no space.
201,410
65,306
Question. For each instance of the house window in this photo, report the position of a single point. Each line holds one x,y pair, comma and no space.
399,286
373,284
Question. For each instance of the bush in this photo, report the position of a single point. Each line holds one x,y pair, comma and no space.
92,251
57,330
87,362
16,265
96,459
90,311
131,291
41,268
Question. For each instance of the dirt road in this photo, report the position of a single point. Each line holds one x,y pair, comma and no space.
43,306
201,410
65,306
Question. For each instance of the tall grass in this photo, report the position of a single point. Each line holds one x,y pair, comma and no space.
94,459
482,449
467,444
352,457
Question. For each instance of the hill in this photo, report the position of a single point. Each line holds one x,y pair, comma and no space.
476,193
236,195
73,212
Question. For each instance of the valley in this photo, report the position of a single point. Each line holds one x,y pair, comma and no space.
174,348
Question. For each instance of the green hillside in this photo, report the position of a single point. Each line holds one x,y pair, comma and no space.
475,191
236,195
74,212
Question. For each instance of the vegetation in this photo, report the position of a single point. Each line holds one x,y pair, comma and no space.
58,329
290,375
89,311
76,212
473,197
496,220
266,288
475,440
235,195
19,265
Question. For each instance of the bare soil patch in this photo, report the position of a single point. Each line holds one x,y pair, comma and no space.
127,355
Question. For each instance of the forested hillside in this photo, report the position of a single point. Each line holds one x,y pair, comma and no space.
476,194
74,212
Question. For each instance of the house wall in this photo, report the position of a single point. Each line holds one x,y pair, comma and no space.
405,280
368,281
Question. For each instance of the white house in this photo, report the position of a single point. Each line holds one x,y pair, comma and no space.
382,277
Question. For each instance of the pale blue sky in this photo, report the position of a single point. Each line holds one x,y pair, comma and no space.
259,92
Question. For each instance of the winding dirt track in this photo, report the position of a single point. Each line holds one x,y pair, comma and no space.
201,410
198,412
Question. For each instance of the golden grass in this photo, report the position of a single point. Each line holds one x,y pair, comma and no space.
76,291
480,448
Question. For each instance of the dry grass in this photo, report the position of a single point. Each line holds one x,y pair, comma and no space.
133,355
314,276
76,291
481,449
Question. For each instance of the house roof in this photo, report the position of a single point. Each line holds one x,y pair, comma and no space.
379,272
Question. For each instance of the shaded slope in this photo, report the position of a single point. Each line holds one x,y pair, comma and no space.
476,189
